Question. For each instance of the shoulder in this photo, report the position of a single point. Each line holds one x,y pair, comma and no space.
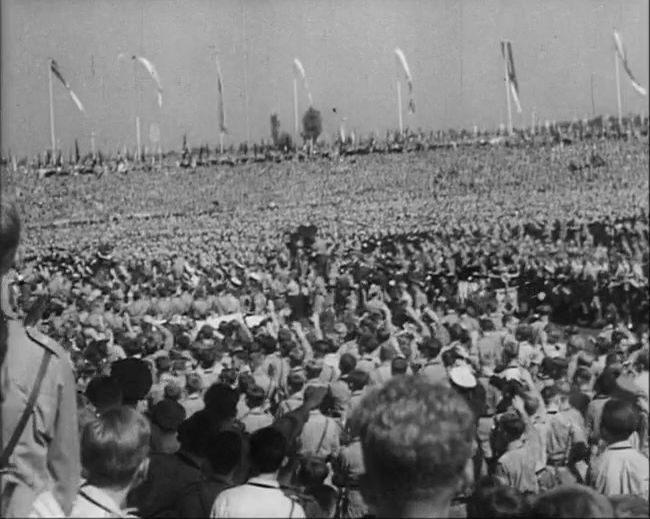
45,342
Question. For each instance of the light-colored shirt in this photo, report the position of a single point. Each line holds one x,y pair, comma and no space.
320,436
620,469
259,497
90,502
256,419
192,404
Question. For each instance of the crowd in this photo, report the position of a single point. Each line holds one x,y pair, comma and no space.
452,335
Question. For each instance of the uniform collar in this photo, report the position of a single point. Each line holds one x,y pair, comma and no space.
617,446
266,481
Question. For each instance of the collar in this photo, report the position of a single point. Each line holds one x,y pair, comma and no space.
617,446
264,481
100,499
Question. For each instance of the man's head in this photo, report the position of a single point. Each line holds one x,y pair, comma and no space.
268,448
347,363
399,366
224,452
620,419
255,397
358,379
115,447
416,439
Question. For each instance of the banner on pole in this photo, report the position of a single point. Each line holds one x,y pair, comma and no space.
620,50
506,51
55,70
401,59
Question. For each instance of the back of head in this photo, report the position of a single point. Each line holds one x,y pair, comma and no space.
313,368
255,396
223,451
193,383
9,240
104,393
493,499
572,501
114,447
619,420
430,347
416,439
268,448
221,402
358,379
168,415
134,377
347,363
313,471
386,353
399,366
295,382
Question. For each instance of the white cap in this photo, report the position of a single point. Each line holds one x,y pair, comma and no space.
462,376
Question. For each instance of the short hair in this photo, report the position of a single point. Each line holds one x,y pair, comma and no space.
524,332
114,445
295,382
347,363
416,437
255,396
602,345
386,352
629,506
430,347
193,383
268,448
163,364
620,418
221,401
510,350
531,403
399,366
312,471
493,499
642,361
582,375
549,393
512,425
572,501
104,392
487,325
223,451
358,379
173,391
313,368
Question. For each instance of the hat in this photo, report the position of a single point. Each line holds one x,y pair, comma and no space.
168,415
462,376
134,376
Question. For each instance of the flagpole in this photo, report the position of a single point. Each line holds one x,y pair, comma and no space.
505,66
399,107
221,143
618,93
92,143
295,109
593,104
52,133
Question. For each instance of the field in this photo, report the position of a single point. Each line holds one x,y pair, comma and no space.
434,190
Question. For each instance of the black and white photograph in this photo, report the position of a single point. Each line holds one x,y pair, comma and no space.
333,259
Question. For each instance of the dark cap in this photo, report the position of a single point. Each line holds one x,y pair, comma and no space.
168,415
134,377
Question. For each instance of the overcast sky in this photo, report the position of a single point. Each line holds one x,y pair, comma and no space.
346,47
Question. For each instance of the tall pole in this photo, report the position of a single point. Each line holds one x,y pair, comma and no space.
221,143
92,143
618,92
593,104
399,107
295,109
137,132
532,122
243,21
52,134
505,67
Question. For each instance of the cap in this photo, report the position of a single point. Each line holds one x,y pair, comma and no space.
462,376
168,415
134,376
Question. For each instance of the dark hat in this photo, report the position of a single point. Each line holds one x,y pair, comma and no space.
134,376
168,415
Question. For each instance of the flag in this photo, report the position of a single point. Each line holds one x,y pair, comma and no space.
220,107
506,51
409,79
55,70
300,70
150,69
620,50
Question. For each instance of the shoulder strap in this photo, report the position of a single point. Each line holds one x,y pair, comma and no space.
20,427
322,438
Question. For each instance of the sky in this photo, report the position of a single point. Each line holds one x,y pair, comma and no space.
346,46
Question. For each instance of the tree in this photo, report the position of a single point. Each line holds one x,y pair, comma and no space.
275,128
312,124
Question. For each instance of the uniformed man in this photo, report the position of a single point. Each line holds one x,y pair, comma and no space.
39,435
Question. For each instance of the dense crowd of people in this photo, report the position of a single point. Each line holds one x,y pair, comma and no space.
457,334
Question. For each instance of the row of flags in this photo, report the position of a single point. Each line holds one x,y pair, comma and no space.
299,71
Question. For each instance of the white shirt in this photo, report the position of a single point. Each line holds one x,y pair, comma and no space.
260,497
90,502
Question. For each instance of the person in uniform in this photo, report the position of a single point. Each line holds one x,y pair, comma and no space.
40,447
